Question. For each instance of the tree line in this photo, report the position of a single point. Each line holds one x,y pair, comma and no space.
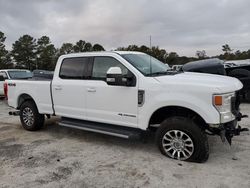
172,58
30,53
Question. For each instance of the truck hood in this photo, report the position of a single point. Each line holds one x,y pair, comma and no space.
218,83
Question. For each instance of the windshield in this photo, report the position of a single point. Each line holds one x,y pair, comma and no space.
142,63
20,74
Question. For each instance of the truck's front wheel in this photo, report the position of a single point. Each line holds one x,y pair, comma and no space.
30,118
180,138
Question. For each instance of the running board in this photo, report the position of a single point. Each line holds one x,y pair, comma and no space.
103,128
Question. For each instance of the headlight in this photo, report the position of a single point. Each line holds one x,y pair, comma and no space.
222,103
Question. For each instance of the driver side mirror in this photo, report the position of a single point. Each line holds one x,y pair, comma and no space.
115,77
1,78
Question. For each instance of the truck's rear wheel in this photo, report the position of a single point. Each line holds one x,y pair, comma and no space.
180,138
30,118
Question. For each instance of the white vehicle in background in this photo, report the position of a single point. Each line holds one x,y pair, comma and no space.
8,74
127,94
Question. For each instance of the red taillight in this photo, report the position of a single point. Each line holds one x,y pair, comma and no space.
5,87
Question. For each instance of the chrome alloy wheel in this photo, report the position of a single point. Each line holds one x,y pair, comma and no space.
28,116
177,145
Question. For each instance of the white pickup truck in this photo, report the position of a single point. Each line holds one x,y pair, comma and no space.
7,74
126,94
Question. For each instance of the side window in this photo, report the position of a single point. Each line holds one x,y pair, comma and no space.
74,68
4,75
102,64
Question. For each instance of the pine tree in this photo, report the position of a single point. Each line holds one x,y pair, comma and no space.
5,61
24,52
46,54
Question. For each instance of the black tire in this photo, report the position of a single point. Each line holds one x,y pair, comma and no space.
36,120
239,73
186,127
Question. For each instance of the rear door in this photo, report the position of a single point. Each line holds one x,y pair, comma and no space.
69,88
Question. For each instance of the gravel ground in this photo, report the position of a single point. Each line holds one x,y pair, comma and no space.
62,157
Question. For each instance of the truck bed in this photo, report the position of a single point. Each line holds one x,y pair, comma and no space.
38,89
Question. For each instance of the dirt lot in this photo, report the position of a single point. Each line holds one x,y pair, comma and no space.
62,157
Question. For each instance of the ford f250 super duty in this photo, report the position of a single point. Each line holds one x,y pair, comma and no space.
126,94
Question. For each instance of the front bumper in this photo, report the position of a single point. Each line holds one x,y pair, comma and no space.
230,129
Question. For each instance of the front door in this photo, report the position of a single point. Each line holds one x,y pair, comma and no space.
110,104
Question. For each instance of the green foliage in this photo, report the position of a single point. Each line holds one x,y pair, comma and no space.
172,58
66,48
24,52
227,52
5,61
201,54
88,47
98,47
226,48
155,51
46,54
79,46
237,55
160,54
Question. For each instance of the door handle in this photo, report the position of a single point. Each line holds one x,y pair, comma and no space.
58,88
91,90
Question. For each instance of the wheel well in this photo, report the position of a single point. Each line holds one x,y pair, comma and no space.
161,114
22,98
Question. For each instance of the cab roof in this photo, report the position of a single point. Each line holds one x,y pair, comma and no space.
100,53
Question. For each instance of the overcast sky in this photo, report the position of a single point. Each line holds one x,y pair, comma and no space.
183,26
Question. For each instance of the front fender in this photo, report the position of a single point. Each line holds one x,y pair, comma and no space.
200,106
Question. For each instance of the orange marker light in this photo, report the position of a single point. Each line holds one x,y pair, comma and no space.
218,100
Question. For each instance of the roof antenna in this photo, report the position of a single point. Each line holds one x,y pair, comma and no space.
150,47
